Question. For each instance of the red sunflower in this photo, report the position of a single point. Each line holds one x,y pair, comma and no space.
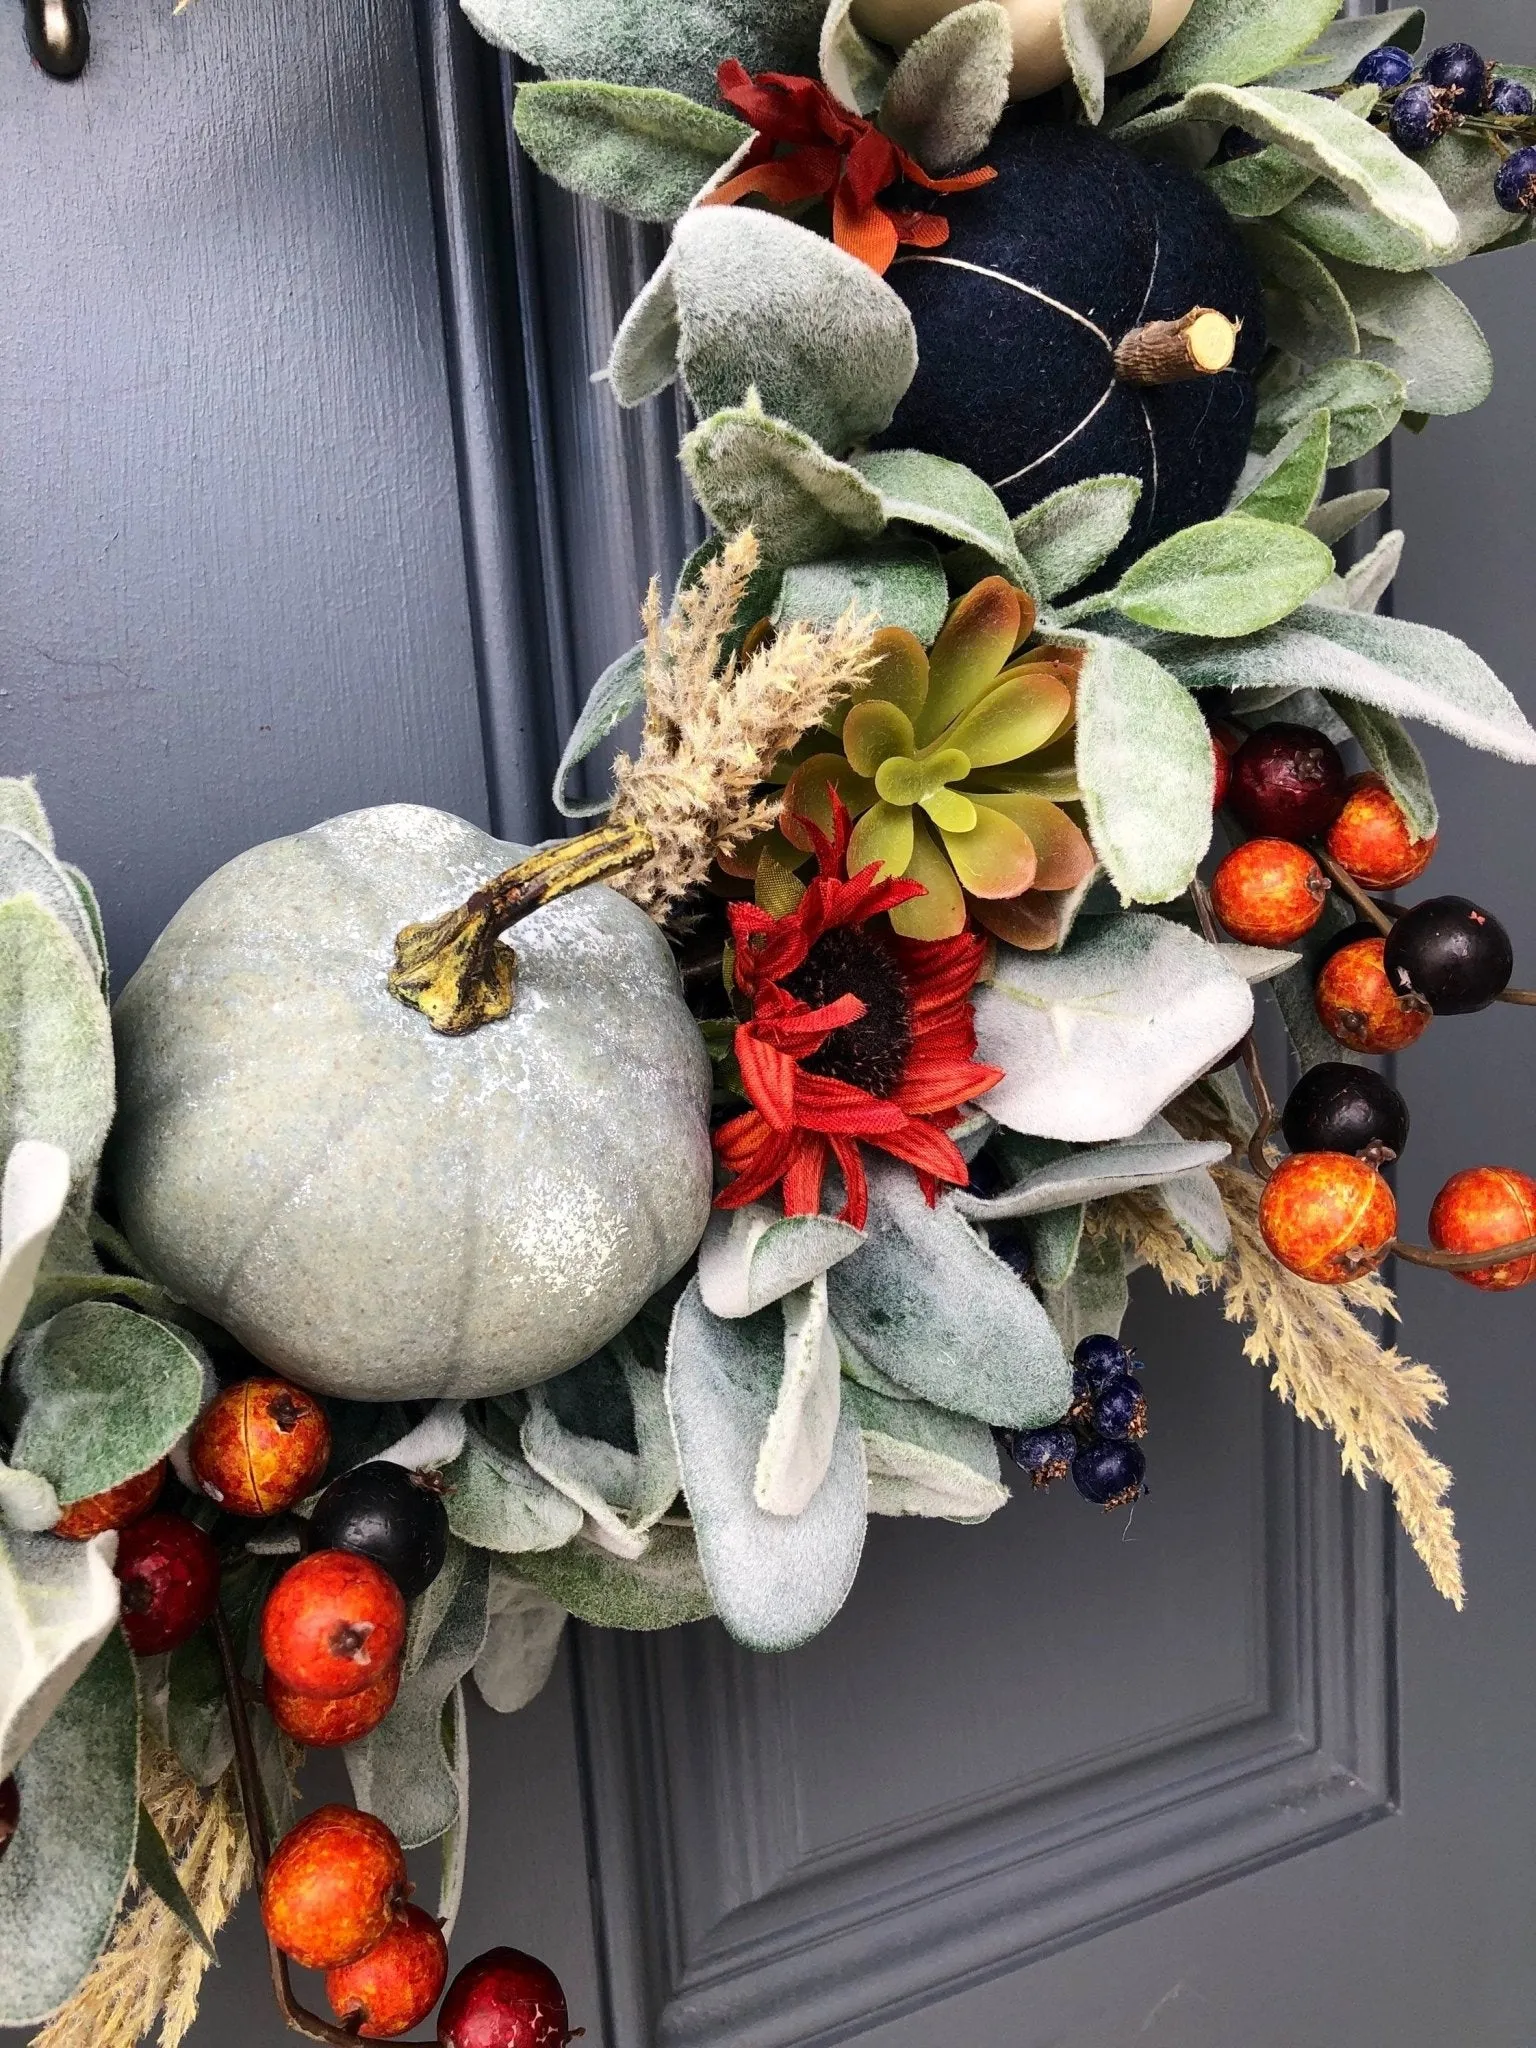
856,1037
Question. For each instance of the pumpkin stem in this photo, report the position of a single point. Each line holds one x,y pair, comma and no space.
454,968
1202,344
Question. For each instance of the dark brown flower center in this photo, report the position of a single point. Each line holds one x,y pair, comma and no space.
869,1054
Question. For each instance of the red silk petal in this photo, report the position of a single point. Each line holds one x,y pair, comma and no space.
868,232
769,1078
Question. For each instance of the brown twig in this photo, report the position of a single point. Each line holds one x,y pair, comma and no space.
1263,1101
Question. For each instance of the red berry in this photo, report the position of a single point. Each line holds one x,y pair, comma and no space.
1370,839
396,1982
10,1812
326,1724
1288,782
169,1571
260,1446
333,1624
1222,749
333,1886
1360,1007
1269,892
504,1999
1327,1216
1482,1207
114,1509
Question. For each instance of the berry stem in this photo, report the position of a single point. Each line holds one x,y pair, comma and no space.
1263,1101
1373,912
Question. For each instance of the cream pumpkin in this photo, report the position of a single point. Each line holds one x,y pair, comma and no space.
1039,59
370,1207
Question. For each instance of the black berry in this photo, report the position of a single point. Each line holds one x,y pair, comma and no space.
1339,1108
1457,957
1387,68
1288,782
1109,1474
1457,70
1045,1454
1420,116
1511,99
393,1516
1100,1360
1514,184
1120,1412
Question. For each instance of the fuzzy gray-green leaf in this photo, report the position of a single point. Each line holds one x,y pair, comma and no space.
1072,533
854,69
899,582
1098,37
1094,1300
1338,517
1363,399
1284,484
748,469
678,44
1254,187
497,1502
1238,40
1093,1174
153,1866
1395,758
1418,327
663,1589
752,1257
1225,578
1310,318
640,150
927,1461
1458,167
943,497
950,87
21,810
1332,58
56,1065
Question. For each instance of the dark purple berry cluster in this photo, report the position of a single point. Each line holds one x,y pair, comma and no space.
1098,1441
1457,87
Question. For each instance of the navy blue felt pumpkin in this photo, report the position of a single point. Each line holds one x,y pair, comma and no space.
1075,246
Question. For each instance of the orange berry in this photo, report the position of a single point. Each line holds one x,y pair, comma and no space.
114,1509
397,1982
333,1886
1327,1216
1482,1207
1359,1006
1370,839
326,1724
260,1446
1268,892
332,1625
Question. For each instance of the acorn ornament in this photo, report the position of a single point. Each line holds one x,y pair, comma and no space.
1039,52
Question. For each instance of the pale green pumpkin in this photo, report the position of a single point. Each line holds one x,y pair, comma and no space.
372,1208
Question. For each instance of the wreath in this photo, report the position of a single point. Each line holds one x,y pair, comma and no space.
463,1236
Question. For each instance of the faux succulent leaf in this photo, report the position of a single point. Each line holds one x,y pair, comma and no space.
1223,578
1098,37
64,1874
154,1867
102,1393
663,1589
1238,40
1093,1174
928,1303
1363,399
618,691
1072,533
640,150
1096,1039
925,1461
776,1580
1337,517
1458,168
897,582
763,304
28,868
1094,1300
1411,670
1310,318
32,1197
1418,327
752,1257
21,810
56,1068
678,44
496,1501
1396,760
58,1604
1332,57
855,70
1284,484
801,1437
950,87
943,497
748,469
401,1772
1145,768
521,1643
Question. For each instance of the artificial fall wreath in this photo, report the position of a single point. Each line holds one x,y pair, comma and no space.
461,1237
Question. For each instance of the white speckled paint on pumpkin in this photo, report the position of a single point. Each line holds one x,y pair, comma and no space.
1039,58
373,1209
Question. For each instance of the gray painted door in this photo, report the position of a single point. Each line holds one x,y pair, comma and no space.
307,503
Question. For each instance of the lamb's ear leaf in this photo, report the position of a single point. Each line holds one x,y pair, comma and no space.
1310,317
1094,1300
1397,761
1418,327
32,1197
598,1476
764,305
643,359
1364,401
1093,1041
1224,578
1238,40
58,1604
1336,518
1072,533
618,691
401,1772
522,1641
776,1580
102,1393
153,1866
897,581
28,1503
748,469
1367,581
944,497
1098,36
64,1874
854,70
801,1438
28,868
1284,485
453,1845
1094,1173
931,1306
1055,1239
1255,187
1194,1202
21,810
950,87
496,1501
927,1461
1392,664
639,150
752,1257
1457,167
663,1589
196,1712
1145,769
57,1073
1331,58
